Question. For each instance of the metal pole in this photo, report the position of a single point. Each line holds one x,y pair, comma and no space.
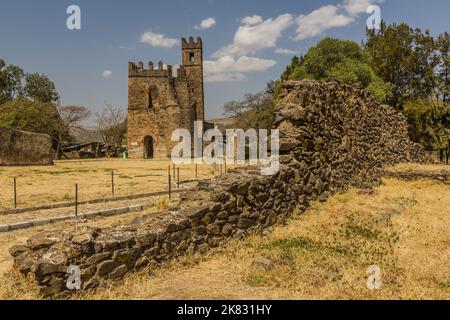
170,186
112,184
174,171
196,171
178,178
76,200
15,193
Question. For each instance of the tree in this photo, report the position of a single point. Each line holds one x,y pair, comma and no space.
70,120
429,124
254,111
352,71
405,58
111,125
339,59
321,58
40,87
443,47
28,115
10,82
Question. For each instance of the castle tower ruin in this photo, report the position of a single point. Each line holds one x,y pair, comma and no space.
159,102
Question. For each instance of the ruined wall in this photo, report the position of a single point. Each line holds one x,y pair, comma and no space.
24,148
332,136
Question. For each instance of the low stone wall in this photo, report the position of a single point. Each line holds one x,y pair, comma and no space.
443,176
332,136
19,148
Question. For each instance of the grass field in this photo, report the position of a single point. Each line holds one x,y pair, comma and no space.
52,184
324,253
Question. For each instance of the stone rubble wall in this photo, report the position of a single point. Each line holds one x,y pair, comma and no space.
19,148
333,136
442,176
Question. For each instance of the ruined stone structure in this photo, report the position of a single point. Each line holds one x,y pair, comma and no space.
19,148
332,136
159,103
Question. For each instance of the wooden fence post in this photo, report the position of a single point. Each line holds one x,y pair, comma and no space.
15,193
170,185
76,200
112,184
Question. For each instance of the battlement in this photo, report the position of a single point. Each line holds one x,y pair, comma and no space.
138,70
191,44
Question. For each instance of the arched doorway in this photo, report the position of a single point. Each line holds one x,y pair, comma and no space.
148,147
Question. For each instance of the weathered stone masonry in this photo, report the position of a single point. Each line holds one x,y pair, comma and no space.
24,148
332,136
159,103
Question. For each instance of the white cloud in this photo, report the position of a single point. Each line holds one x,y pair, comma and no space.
250,38
331,16
206,24
158,40
225,77
285,51
320,20
107,73
228,68
355,7
252,20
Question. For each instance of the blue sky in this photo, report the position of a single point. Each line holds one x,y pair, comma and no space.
246,42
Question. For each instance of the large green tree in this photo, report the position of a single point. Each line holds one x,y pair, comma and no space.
40,87
429,124
339,59
10,82
443,72
405,58
30,115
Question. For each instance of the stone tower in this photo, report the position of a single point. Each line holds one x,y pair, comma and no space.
192,60
159,102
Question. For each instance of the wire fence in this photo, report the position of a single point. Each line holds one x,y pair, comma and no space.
176,177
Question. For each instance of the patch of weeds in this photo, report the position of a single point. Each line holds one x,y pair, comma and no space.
287,247
444,285
352,230
403,202
257,279
293,243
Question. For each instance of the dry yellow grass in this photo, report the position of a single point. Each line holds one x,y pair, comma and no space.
321,254
50,184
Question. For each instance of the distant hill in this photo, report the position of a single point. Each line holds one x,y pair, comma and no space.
86,134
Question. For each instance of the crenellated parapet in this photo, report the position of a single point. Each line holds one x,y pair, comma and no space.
191,44
138,70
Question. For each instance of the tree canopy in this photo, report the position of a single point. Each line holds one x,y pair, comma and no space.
338,59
